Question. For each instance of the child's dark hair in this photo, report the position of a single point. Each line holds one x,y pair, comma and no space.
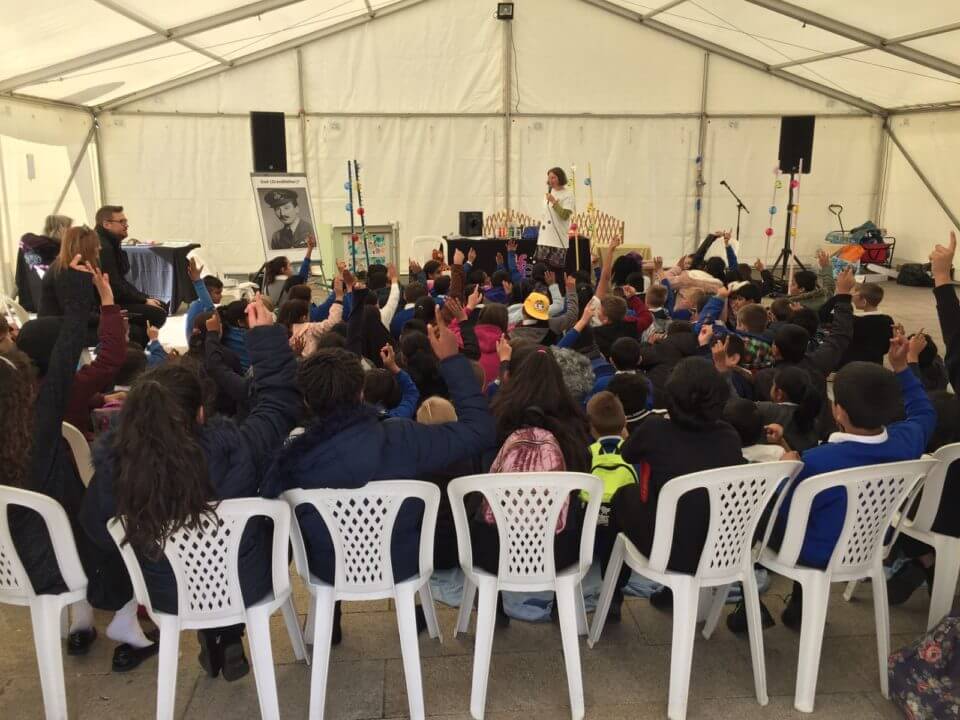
637,281
133,366
293,312
869,394
606,415
796,385
376,280
300,292
212,282
745,419
431,267
806,280
872,293
274,268
749,292
678,327
807,319
928,354
477,277
697,394
441,285
331,339
657,296
781,309
717,267
380,387
745,272
499,277
792,340
625,353
632,389
614,308
753,317
735,345
494,314
331,379
413,292
623,267
234,314
414,325
425,309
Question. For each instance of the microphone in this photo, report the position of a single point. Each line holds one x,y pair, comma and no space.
723,182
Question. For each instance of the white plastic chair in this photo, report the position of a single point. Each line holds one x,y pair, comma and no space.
422,247
13,310
738,496
945,547
874,494
46,611
81,452
526,507
205,563
360,523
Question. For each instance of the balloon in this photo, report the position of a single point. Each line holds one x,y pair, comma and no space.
346,185
588,182
354,237
348,207
360,212
779,184
794,184
773,209
796,209
768,232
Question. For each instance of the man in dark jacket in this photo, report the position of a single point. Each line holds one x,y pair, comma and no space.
347,446
112,228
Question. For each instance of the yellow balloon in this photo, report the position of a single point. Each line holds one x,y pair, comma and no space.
779,184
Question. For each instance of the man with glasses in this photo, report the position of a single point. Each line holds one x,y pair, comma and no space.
112,228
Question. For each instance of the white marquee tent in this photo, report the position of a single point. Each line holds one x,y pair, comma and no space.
145,104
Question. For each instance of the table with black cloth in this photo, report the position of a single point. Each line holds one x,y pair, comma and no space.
487,249
160,271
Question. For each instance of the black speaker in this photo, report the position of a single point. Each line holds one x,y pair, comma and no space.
796,143
471,224
269,139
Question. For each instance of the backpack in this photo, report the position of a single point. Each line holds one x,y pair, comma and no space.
615,472
923,675
914,275
529,449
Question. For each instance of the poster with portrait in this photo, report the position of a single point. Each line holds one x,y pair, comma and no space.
285,213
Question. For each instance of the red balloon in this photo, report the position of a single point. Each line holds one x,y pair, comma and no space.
794,184
768,232
360,212
354,237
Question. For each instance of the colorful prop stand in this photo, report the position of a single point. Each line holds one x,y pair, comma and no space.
592,213
768,233
348,186
787,252
361,212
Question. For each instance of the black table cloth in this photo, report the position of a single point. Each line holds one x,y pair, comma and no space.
487,249
160,271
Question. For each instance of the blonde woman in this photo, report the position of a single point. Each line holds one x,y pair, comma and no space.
84,243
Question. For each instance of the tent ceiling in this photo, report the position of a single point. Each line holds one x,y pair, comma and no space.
888,53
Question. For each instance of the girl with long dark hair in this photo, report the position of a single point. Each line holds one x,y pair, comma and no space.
795,406
166,466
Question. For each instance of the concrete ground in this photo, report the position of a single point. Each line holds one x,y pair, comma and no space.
625,676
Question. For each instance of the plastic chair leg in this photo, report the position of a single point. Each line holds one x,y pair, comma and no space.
410,649
45,611
567,614
686,600
167,662
881,612
606,594
308,623
430,611
483,646
261,658
293,630
322,611
751,601
582,627
850,590
716,608
944,581
466,607
816,596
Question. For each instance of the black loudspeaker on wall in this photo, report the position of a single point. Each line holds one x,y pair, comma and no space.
269,139
796,142
471,224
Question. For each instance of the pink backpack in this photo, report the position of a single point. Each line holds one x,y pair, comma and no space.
529,449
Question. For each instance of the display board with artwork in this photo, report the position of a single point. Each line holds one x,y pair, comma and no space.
381,244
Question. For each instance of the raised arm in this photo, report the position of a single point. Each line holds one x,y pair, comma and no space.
409,394
457,277
948,307
920,411
828,355
603,285
393,299
560,324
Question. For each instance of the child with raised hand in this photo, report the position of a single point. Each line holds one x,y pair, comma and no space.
868,402
926,363
209,291
166,466
391,389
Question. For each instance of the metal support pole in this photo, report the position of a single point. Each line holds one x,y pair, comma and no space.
101,176
507,107
701,146
303,112
76,166
880,180
923,178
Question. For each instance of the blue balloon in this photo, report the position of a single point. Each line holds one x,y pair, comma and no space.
346,185
588,182
773,210
349,207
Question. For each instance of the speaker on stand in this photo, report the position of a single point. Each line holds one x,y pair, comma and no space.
795,156
268,137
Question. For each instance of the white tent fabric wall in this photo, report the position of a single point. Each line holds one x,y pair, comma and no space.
38,146
909,210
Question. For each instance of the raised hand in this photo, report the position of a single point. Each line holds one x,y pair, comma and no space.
897,354
723,292
257,313
511,246
413,267
101,281
153,302
392,276
550,278
458,257
194,270
845,282
311,244
338,288
504,349
916,345
822,258
471,256
213,324
389,359
442,340
941,261
759,266
657,263
342,265
773,433
153,332
475,297
586,316
719,353
628,291
456,309
706,335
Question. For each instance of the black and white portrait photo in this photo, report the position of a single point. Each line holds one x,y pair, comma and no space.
286,217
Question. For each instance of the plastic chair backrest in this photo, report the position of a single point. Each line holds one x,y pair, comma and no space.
15,586
874,494
81,452
422,247
933,484
526,507
13,310
205,560
360,522
738,496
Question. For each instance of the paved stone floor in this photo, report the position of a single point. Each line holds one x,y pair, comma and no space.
625,676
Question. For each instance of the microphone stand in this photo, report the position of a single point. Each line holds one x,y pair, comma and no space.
740,205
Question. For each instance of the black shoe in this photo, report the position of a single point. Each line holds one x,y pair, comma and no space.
79,642
662,599
737,620
235,664
211,654
126,657
792,615
616,608
336,636
904,582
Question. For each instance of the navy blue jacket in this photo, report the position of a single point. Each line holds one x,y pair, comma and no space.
236,455
352,447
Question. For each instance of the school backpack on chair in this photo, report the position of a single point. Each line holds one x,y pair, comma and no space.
925,676
609,466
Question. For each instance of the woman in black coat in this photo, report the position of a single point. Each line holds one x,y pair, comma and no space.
165,466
